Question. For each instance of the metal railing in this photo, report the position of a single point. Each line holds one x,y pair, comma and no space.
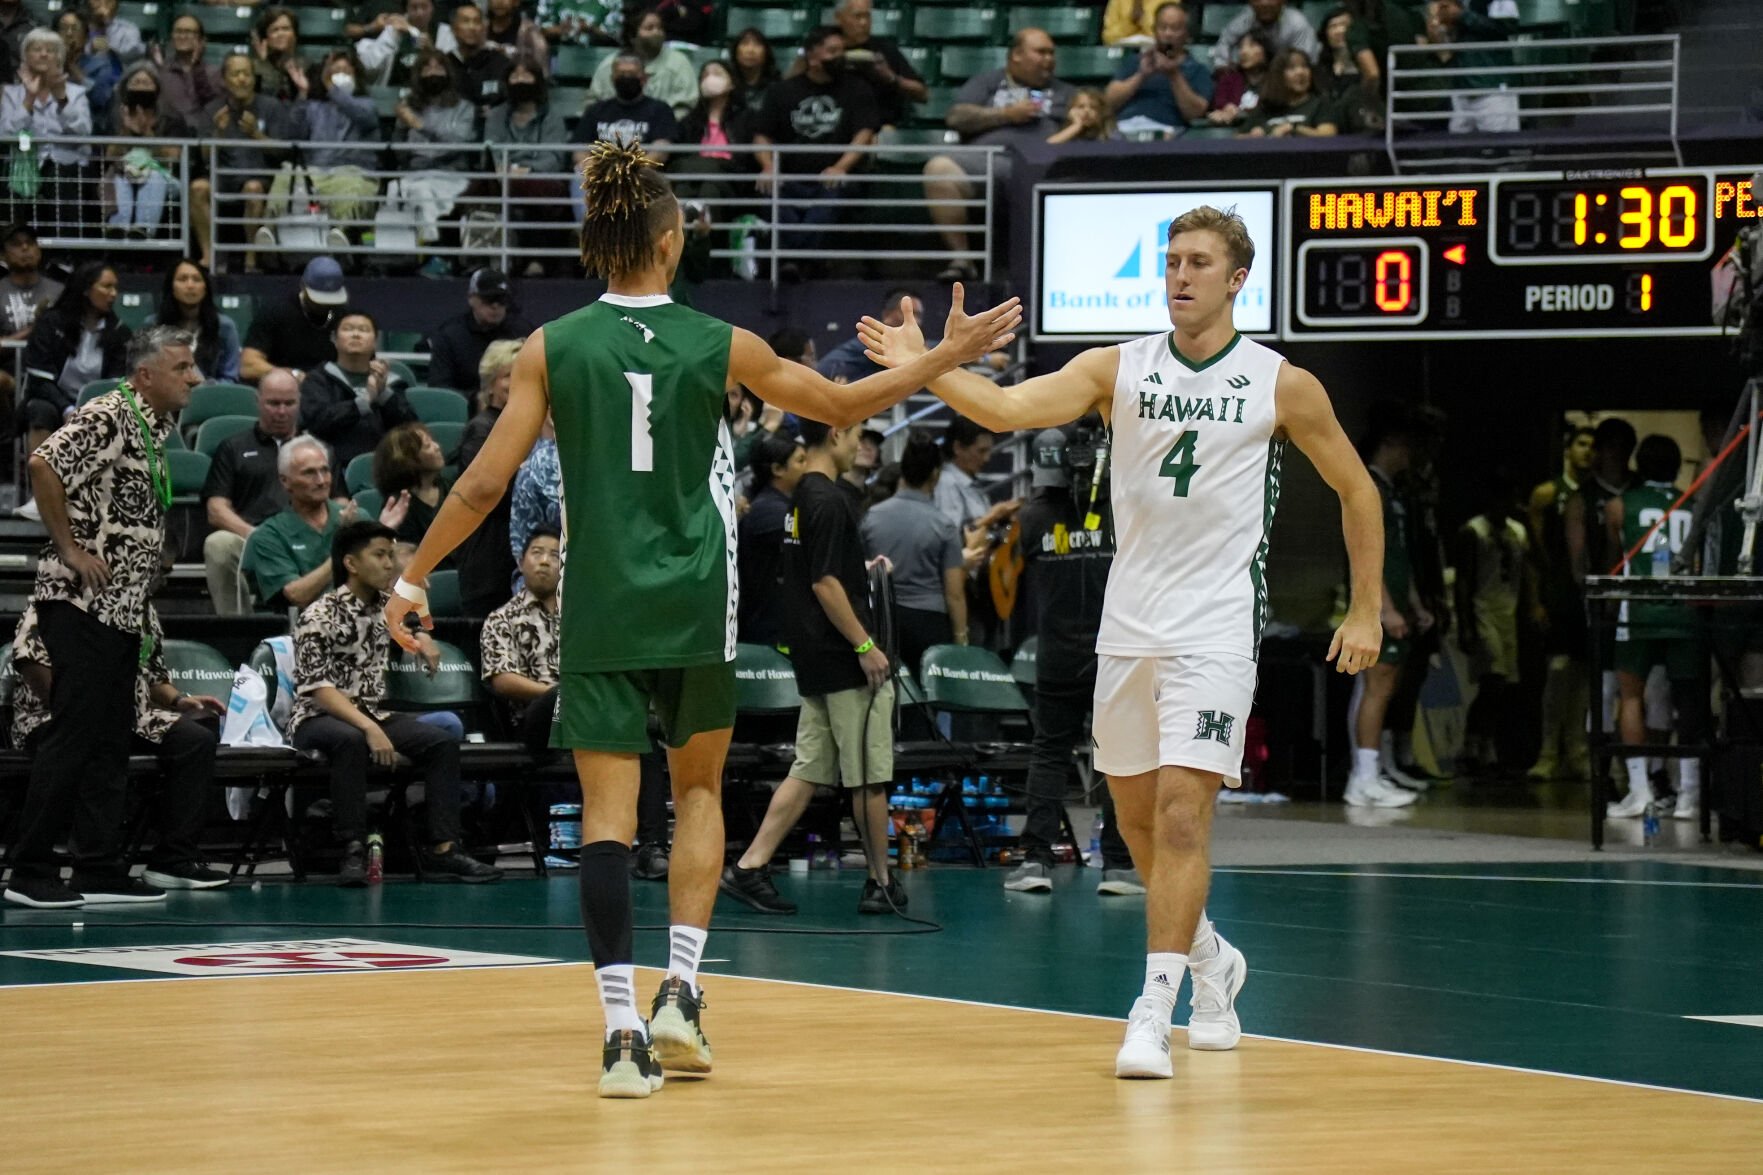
1583,89
76,205
494,213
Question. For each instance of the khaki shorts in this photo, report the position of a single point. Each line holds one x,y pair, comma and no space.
836,730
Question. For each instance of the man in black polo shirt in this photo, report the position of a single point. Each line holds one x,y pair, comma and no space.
824,107
878,61
845,733
243,489
457,345
295,332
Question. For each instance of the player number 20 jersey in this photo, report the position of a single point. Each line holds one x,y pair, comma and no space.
1195,478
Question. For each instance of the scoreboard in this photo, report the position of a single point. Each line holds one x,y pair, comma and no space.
1585,254
1510,256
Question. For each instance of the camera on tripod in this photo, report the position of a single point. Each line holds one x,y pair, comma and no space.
1737,281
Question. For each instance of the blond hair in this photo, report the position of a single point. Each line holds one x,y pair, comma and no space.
1226,223
498,357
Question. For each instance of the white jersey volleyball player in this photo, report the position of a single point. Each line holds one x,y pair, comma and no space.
1200,416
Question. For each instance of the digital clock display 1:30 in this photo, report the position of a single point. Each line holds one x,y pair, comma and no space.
1547,220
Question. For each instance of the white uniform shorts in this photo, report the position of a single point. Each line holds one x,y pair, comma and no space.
1187,711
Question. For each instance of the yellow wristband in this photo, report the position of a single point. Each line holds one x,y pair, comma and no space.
864,647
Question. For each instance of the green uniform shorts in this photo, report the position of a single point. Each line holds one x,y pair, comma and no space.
610,711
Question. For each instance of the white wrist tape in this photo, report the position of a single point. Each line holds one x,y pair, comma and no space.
405,590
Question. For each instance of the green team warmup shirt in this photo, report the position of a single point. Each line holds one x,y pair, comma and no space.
637,392
1642,506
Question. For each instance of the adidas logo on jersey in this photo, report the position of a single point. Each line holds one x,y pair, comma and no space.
1154,378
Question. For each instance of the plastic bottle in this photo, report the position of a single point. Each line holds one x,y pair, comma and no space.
376,858
1096,840
816,858
1659,555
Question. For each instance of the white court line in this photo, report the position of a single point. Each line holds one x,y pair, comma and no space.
1742,1021
6,987
936,999
1276,872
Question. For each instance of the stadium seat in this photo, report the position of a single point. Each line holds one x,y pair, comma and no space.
883,22
923,58
578,62
969,679
175,440
1091,63
704,54
1067,25
444,597
133,309
1316,11
217,399
935,107
403,371
1215,16
188,471
910,137
783,27
983,25
370,502
960,62
439,405
197,668
1022,666
572,100
152,18
95,389
765,682
455,685
447,434
216,429
385,100
359,475
319,26
226,27
241,308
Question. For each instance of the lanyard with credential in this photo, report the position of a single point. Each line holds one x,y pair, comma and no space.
161,478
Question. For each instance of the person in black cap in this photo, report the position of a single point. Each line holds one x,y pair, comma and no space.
457,345
295,332
1065,571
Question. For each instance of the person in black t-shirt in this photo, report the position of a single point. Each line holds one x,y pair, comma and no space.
631,117
824,107
845,733
878,61
295,331
244,487
1065,571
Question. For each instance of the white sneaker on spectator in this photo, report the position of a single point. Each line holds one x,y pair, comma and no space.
265,238
1145,1051
1631,805
1686,804
1372,791
29,510
337,239
1213,1025
1394,774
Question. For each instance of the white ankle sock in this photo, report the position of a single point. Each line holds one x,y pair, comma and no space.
1689,777
1205,947
1163,974
1364,763
618,996
685,952
1638,783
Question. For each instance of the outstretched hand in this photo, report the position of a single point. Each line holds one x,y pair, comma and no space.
397,608
968,337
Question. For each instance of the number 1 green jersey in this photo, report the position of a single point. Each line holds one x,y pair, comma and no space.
637,393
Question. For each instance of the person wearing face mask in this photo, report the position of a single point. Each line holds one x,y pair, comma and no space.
441,125
141,177
481,69
335,112
630,115
671,77
719,120
390,43
529,117
823,107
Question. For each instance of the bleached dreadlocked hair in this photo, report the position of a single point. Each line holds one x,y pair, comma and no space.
629,204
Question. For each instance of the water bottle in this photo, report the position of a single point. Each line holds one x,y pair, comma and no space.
1660,563
1096,841
376,858
1649,826
816,858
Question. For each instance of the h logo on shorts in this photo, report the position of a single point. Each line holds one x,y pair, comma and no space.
1215,726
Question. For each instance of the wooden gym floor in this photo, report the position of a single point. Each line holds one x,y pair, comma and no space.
1519,1017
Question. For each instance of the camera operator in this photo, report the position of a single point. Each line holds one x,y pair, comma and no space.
1065,572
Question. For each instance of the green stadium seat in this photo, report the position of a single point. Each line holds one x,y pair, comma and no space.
969,679
1067,25
765,682
572,100
359,475
448,434
1315,11
216,429
444,597
883,22
320,26
175,440
134,309
1091,63
578,62
439,405
1215,16
197,668
217,399
400,340
960,62
95,389
704,54
1022,666
241,308
911,137
188,471
370,503
385,100
783,27
455,685
958,24
401,369
227,27
931,112
923,58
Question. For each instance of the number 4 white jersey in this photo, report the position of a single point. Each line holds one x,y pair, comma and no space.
1194,478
